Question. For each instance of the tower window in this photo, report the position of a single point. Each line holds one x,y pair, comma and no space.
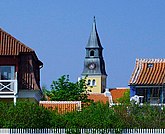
92,53
94,83
89,82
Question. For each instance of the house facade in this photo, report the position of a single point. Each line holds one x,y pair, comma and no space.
19,69
147,81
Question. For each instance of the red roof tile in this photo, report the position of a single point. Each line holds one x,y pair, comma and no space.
117,93
11,46
98,97
148,72
61,106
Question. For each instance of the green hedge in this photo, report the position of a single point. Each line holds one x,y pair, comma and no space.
23,115
97,115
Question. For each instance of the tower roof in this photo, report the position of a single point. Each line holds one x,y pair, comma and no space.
94,41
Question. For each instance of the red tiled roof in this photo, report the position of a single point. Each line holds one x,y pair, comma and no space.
118,93
98,97
11,46
61,106
148,72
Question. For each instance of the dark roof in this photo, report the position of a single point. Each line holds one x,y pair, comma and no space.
148,72
94,41
10,46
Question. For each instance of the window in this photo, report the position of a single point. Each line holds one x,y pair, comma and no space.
7,72
93,83
89,82
150,65
92,53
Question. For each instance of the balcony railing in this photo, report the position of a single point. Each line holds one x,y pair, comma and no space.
8,87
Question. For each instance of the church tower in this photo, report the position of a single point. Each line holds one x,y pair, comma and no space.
94,66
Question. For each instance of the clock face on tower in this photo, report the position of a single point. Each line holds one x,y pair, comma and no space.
91,66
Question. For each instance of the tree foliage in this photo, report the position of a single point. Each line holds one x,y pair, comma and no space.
125,99
24,115
147,116
64,90
141,116
96,115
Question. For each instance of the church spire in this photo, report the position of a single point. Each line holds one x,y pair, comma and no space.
94,66
94,23
94,41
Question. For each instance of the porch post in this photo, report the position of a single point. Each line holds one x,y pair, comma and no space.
163,95
15,100
148,95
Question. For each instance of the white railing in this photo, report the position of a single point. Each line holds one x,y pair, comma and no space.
81,131
8,87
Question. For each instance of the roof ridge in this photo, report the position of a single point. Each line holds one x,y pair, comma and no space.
150,60
97,93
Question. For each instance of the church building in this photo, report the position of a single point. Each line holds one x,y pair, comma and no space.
94,65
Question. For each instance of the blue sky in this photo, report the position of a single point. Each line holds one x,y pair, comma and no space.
58,30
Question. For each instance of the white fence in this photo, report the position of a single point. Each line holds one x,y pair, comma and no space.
82,131
8,87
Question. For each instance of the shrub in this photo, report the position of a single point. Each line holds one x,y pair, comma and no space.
24,115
